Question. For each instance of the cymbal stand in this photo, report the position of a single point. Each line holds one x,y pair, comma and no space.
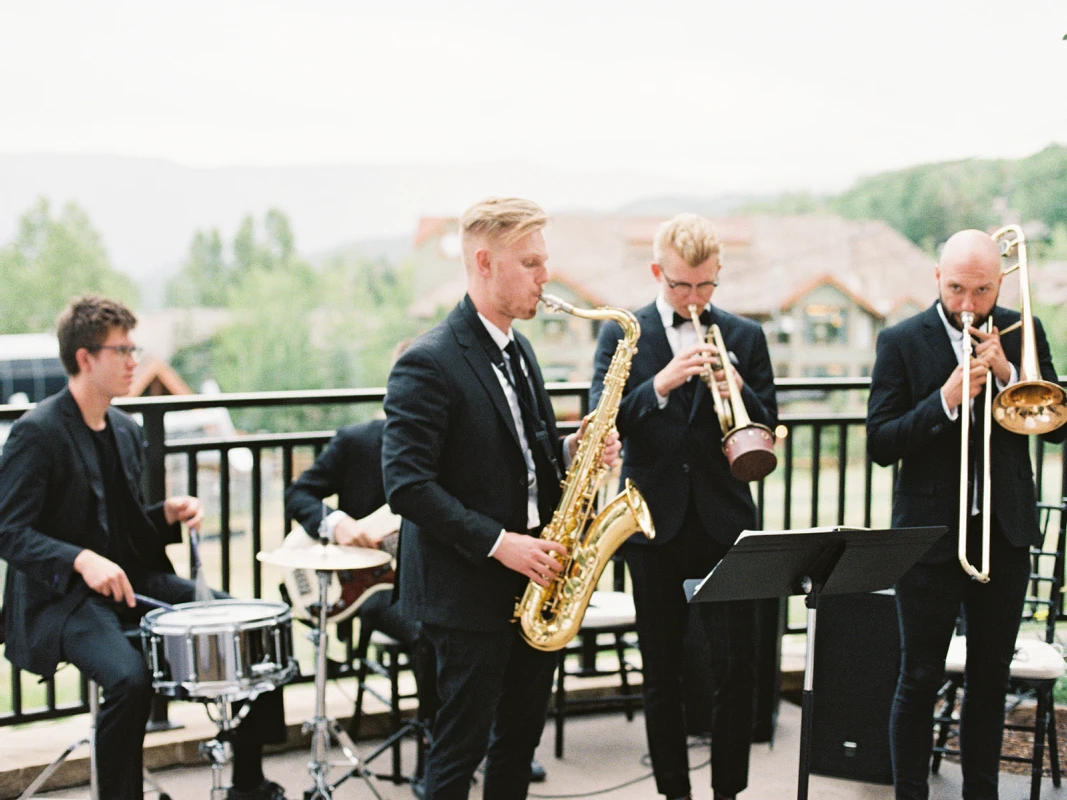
324,727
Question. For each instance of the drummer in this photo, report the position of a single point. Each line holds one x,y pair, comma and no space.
80,541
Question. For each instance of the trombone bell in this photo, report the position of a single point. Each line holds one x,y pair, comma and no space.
1031,408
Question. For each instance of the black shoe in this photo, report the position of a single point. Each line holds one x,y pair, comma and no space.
537,772
268,790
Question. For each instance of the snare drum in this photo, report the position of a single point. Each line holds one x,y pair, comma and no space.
223,648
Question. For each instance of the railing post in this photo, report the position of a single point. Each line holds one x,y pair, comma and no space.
155,477
156,458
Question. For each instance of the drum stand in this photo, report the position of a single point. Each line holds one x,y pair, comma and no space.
323,727
218,751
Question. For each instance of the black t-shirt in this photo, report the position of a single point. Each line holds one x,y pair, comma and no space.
116,497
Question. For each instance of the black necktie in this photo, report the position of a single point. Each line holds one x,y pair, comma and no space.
536,433
521,386
705,319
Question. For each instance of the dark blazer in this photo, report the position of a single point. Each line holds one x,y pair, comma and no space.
350,467
454,470
906,422
52,508
674,455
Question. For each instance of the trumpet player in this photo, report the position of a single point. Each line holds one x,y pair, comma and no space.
672,452
915,411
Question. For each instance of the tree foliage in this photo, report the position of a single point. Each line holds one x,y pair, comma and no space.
930,202
52,259
293,326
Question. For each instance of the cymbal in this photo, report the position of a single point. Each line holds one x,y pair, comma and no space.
325,558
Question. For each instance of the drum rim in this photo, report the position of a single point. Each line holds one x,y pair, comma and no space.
153,622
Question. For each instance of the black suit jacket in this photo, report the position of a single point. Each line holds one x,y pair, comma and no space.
674,455
350,467
906,422
52,508
454,470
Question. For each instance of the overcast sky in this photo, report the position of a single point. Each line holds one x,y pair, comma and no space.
737,95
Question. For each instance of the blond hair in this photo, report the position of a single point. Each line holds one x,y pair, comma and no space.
690,235
505,218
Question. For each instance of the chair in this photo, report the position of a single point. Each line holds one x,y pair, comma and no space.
379,654
610,613
1035,668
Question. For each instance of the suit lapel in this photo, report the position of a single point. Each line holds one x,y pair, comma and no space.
83,443
462,328
937,344
127,450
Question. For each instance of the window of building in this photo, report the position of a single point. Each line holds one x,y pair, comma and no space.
825,324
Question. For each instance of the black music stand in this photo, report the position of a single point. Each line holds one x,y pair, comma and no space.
812,561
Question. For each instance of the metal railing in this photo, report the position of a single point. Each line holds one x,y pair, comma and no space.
824,478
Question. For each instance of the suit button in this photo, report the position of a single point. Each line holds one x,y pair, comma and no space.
685,468
523,482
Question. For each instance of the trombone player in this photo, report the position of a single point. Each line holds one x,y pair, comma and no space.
916,413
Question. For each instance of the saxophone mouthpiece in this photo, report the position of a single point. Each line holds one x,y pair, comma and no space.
556,303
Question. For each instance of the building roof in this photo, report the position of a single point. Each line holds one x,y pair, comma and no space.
766,260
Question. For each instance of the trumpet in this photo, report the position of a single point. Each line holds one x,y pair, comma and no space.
1030,406
747,445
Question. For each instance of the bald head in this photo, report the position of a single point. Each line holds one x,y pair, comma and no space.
971,246
968,276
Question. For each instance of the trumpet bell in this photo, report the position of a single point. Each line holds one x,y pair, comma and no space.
1031,407
750,452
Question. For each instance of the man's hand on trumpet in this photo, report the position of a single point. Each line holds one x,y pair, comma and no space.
683,366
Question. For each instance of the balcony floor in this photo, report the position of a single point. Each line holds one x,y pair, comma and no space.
604,754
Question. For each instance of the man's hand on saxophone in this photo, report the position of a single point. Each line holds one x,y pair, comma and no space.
530,556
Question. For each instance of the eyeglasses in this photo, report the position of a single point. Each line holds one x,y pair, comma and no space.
124,350
703,286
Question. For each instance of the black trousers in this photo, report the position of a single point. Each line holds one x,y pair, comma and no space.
379,613
494,690
929,597
94,641
657,573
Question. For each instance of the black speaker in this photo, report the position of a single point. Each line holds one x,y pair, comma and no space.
857,658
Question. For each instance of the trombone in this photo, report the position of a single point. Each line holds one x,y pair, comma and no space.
747,445
1030,406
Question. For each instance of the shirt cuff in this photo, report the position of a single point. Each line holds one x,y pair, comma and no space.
660,400
499,539
331,523
951,414
1014,379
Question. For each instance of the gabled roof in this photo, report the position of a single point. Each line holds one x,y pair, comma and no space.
828,280
156,377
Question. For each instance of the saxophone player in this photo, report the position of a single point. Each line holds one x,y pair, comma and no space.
672,452
472,462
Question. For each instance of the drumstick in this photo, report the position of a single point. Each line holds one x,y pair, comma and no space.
203,593
149,601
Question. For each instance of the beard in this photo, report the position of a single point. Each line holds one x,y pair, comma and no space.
953,317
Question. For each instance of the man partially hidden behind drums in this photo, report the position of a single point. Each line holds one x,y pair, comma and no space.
80,541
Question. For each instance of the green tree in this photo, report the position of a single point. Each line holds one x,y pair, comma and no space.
52,259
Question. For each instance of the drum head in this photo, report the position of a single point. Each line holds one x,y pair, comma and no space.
213,615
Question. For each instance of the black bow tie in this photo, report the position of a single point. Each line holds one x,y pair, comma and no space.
705,319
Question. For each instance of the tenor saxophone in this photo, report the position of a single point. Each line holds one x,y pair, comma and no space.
551,616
